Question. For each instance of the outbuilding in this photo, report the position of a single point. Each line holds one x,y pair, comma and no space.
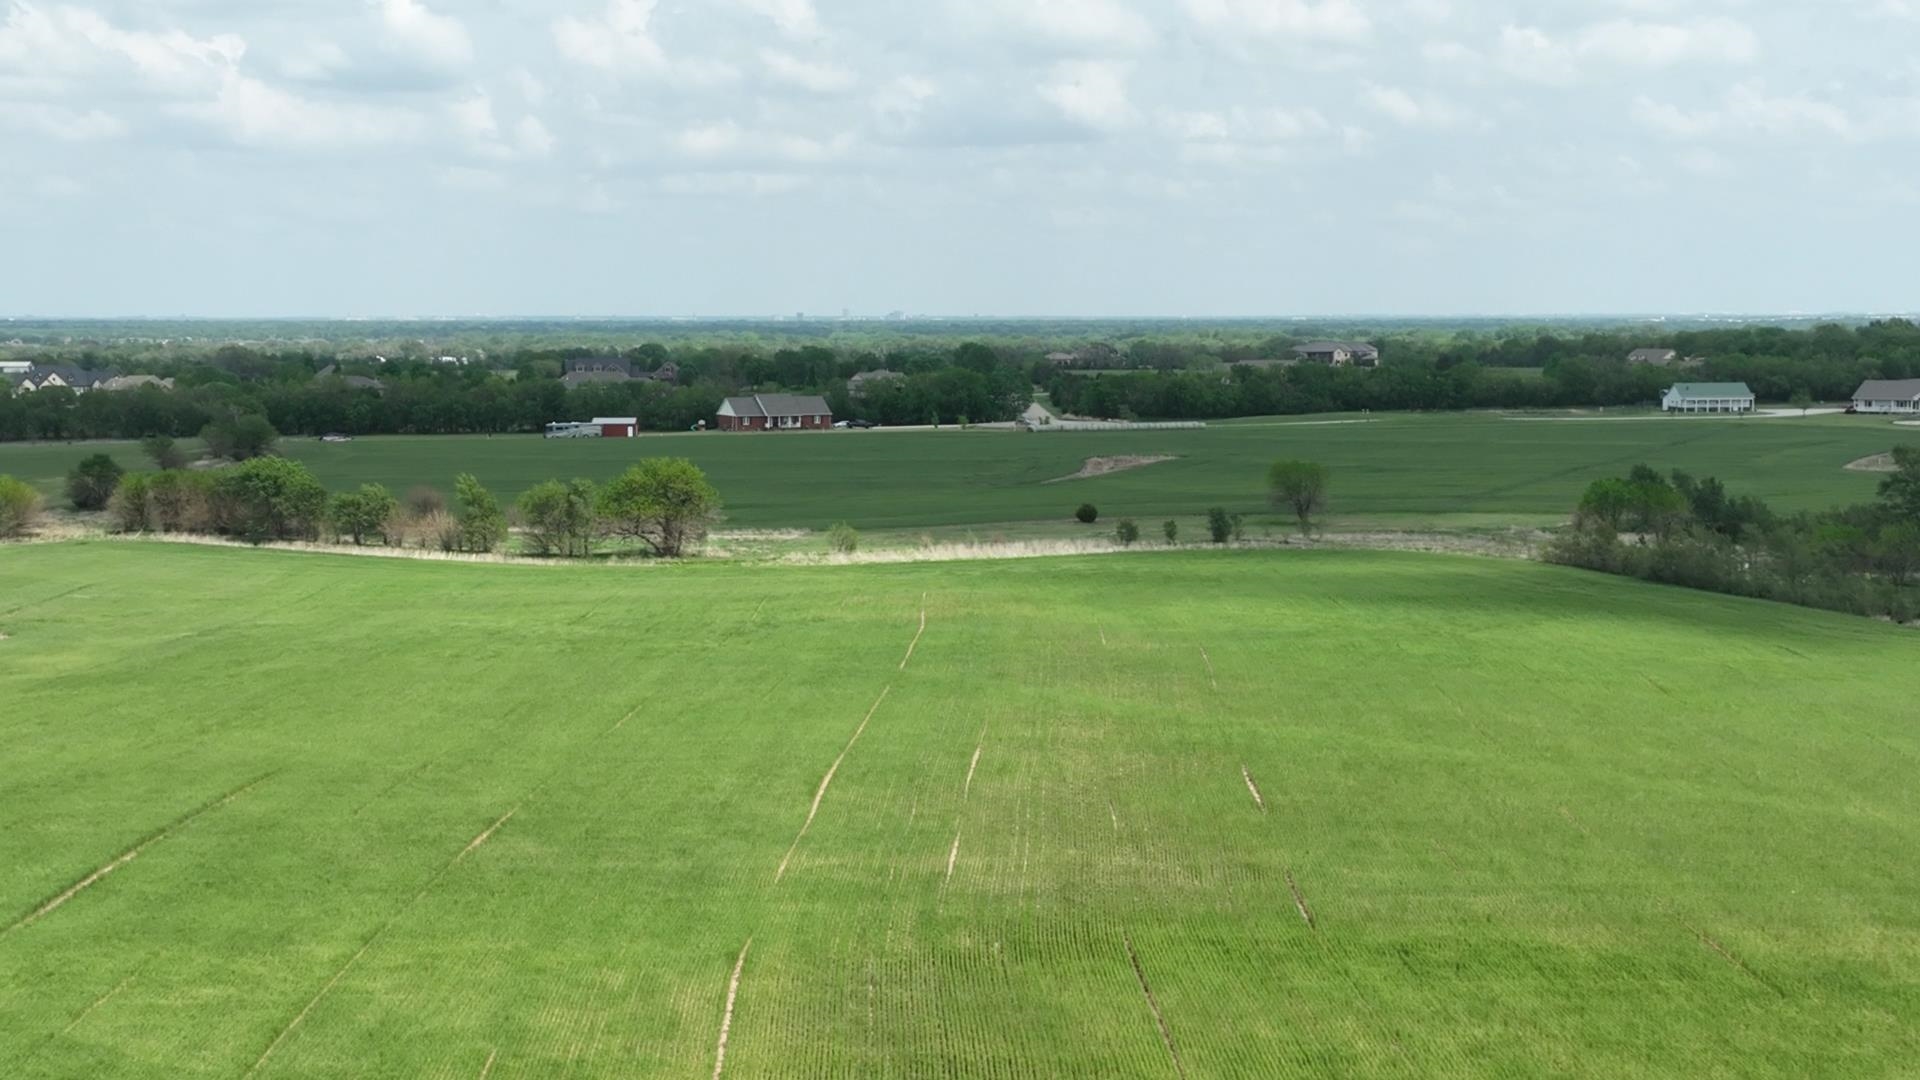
1900,396
774,412
617,427
1709,398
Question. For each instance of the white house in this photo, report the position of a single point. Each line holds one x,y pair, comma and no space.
1888,396
1709,398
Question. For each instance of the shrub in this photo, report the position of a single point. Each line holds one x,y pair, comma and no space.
665,503
561,519
843,538
241,438
482,524
178,501
1087,514
1171,529
423,501
1299,486
358,515
269,498
91,482
1219,525
164,452
19,507
130,506
1126,532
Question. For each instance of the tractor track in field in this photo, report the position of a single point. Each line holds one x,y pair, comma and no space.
1300,901
1211,680
827,781
487,1069
1153,1005
54,904
1253,789
373,939
953,856
726,1018
97,1002
915,643
1728,955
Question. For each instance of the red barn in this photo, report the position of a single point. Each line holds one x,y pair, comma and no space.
617,427
774,412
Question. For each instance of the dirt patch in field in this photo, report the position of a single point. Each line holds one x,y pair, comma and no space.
1106,466
1874,463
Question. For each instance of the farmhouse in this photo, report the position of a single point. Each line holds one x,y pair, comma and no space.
1708,398
1888,396
54,378
1339,353
774,412
1653,357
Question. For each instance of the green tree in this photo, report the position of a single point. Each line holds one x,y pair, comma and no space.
482,524
241,438
1900,493
164,452
1127,532
1897,552
1803,400
1171,530
665,503
843,539
19,507
561,519
270,498
1605,503
91,483
1299,486
1087,514
364,514
1219,525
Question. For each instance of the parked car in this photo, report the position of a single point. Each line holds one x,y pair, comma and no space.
336,437
859,425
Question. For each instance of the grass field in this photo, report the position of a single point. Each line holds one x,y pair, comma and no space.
1403,469
1237,814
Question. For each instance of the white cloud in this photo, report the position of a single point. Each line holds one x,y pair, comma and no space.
1415,109
1090,92
65,125
622,36
728,140
794,17
1096,25
436,40
820,78
254,113
1650,44
1748,109
1338,20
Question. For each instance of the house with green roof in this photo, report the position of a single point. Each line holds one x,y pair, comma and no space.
1713,397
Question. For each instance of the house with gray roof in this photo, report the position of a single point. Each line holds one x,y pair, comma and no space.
858,385
1888,396
61,376
1339,353
1708,398
775,412
1653,357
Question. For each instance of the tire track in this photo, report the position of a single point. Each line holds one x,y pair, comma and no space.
726,1018
1159,1019
825,781
132,853
373,939
1300,901
487,1069
915,643
1209,662
1254,789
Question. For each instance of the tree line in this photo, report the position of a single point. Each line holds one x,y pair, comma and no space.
1680,530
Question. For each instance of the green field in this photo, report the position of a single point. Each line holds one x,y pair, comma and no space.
403,819
1402,469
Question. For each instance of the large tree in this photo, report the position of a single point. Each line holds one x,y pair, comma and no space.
1900,493
665,503
1299,486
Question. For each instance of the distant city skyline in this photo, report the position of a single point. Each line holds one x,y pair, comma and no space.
1006,158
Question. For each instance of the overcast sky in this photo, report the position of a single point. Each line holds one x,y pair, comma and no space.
1021,157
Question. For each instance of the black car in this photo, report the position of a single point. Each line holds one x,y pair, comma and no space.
861,425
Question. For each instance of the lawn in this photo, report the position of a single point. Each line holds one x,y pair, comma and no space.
1404,469
401,819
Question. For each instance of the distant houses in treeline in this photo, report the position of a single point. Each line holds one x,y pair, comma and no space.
28,378
593,370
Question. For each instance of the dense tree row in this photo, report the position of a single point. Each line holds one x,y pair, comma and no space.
1679,530
515,387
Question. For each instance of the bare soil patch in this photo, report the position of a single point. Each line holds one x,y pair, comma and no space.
1874,463
1106,466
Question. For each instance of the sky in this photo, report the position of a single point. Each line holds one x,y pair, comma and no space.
958,157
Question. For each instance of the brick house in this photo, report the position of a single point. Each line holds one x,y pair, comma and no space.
774,412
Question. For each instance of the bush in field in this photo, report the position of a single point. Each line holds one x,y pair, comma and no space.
1171,529
1219,525
164,452
364,514
1126,532
179,501
1087,514
482,524
423,501
129,505
1299,487
843,539
665,503
560,519
91,482
241,438
19,507
269,498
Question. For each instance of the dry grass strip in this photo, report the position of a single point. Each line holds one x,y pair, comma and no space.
127,856
824,781
624,719
487,1069
372,939
953,856
915,643
726,1019
1254,788
1300,901
1159,1019
1209,660
968,789
101,1000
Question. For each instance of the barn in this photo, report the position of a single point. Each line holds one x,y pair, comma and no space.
617,427
774,412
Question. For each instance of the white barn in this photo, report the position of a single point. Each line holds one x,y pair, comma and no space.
1709,398
1888,396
